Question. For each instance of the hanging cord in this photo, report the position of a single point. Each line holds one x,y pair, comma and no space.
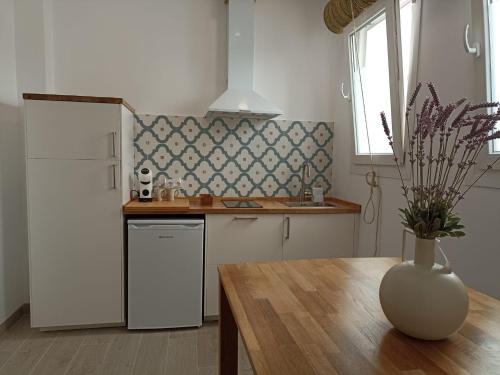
371,181
370,177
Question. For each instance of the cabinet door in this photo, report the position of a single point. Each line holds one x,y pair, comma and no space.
236,239
76,236
211,290
318,236
71,130
243,238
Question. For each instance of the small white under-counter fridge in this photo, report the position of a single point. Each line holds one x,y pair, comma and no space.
165,273
79,165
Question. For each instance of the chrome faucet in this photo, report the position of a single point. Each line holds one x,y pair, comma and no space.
306,172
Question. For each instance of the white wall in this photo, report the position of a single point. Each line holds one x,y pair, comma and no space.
476,258
169,56
33,46
13,246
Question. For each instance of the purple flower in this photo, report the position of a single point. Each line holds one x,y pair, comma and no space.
415,94
385,125
434,94
484,105
460,116
495,135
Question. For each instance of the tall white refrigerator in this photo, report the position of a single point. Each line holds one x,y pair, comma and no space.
79,164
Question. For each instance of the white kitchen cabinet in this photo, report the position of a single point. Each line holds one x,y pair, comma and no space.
236,239
307,236
77,180
270,237
75,243
243,238
71,130
211,291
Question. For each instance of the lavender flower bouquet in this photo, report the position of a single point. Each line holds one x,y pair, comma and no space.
442,148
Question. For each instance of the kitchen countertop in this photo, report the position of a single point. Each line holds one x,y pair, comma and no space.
269,206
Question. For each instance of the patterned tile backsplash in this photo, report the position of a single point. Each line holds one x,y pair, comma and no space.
235,157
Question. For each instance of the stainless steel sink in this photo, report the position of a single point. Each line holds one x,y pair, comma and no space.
310,205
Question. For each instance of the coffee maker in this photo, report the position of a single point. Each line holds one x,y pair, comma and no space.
145,185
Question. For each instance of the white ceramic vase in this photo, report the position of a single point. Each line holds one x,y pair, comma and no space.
424,299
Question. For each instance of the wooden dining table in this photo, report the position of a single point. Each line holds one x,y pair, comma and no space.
324,317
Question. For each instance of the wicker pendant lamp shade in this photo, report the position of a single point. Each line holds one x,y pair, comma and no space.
339,13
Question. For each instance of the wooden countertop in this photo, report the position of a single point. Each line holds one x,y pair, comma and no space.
78,98
324,317
269,206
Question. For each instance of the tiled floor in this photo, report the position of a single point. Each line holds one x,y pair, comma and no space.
108,351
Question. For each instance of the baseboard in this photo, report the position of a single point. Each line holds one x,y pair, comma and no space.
83,326
211,318
26,308
15,316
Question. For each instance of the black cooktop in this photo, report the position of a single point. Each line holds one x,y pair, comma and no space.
241,204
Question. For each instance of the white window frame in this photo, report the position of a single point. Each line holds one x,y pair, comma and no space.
480,32
479,22
396,84
488,155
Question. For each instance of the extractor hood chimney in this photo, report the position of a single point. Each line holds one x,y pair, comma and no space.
240,99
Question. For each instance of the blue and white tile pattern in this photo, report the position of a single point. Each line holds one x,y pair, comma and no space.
235,157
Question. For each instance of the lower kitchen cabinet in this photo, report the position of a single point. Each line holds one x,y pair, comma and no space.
236,239
269,237
211,290
243,238
307,236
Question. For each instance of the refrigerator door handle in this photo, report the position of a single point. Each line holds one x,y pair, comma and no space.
113,144
165,227
113,167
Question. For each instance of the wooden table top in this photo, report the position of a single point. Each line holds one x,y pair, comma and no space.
324,317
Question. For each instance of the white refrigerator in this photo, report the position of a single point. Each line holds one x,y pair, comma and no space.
79,160
165,273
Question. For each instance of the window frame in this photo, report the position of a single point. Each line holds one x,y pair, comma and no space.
396,78
489,155
482,89
480,31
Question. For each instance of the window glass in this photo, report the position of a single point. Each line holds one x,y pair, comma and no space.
494,52
370,77
406,21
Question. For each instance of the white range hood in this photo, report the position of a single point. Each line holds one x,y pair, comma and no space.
240,99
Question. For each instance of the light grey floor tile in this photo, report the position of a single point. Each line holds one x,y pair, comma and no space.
108,351
152,353
88,360
28,354
182,355
58,357
207,345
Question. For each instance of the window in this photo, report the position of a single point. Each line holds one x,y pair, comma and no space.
406,22
377,80
370,77
492,18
